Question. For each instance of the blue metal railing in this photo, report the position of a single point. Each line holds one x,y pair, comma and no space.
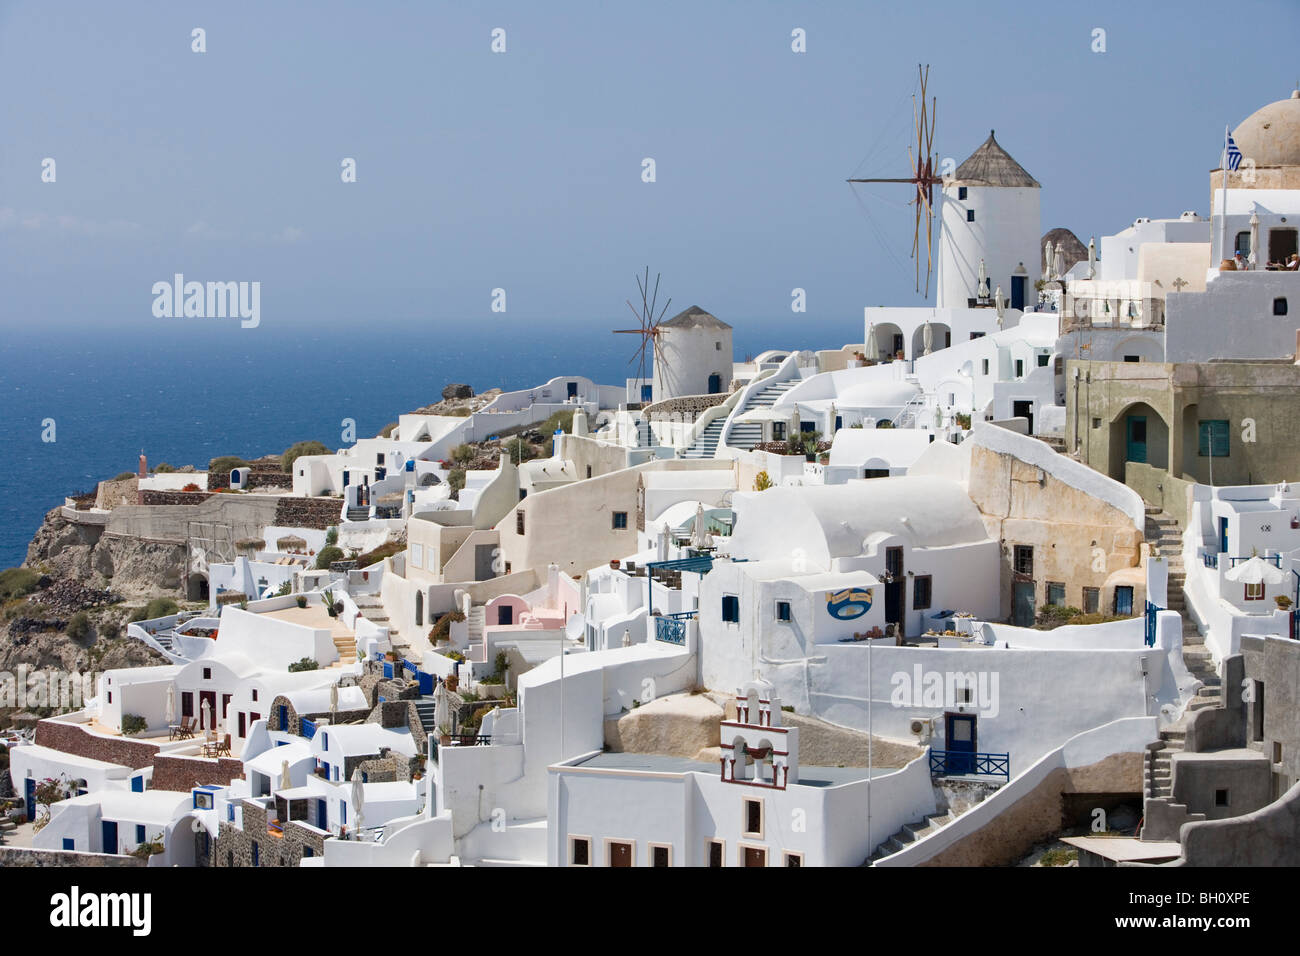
671,628
1211,560
307,728
959,763
1273,559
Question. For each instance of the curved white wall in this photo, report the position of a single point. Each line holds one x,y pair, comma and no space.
1005,233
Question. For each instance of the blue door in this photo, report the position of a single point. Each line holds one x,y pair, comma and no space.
110,836
960,734
505,614
571,389
284,717
69,843
1137,438
322,815
137,784
1124,601
647,393
1223,535
30,794
1018,292
715,384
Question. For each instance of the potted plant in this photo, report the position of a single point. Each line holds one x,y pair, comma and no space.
1283,602
614,563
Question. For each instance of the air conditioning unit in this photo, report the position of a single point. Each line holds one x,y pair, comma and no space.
922,728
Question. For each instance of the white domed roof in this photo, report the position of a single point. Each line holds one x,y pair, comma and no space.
1271,135
878,394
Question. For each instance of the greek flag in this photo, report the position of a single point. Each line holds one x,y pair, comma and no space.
1233,154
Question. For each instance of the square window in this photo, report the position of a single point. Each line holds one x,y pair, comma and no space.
620,520
1020,368
1056,593
970,215
717,346
1096,423
894,561
1255,592
207,673
660,855
580,851
254,696
794,859
1277,752
139,833
1220,798
716,853
1132,358
1279,306
921,592
519,522
1091,600
961,192
110,697
753,818
783,611
589,471
1042,359
985,366
731,608
1024,559
1212,439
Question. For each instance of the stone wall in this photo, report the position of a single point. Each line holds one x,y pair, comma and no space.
258,477
26,856
172,497
71,739
112,494
687,408
185,773
319,513
234,847
293,720
1041,813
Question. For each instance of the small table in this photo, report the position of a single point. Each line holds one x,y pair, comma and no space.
173,731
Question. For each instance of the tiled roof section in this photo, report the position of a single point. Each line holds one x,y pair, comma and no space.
695,318
991,165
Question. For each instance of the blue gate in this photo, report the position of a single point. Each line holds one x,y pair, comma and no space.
30,793
1151,623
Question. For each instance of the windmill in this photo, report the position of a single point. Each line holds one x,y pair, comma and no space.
650,327
922,165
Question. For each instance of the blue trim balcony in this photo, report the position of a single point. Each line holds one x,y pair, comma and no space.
671,628
965,763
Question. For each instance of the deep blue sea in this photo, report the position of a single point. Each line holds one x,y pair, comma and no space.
187,393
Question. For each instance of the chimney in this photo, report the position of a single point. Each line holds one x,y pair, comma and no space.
144,465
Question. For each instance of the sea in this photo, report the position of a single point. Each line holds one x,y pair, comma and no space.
78,406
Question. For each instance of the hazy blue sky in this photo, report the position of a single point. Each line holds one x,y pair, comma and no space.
522,170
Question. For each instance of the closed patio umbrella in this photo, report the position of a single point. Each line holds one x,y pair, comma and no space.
170,713
1092,258
358,797
927,331
697,530
285,781
873,350
205,715
982,290
1253,258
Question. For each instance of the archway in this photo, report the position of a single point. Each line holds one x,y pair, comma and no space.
940,338
197,587
889,342
1138,434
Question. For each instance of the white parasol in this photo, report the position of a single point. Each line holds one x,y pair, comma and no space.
358,797
927,332
1255,571
982,290
1092,258
873,350
170,714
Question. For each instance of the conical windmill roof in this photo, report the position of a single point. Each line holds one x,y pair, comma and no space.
991,165
695,318
1072,250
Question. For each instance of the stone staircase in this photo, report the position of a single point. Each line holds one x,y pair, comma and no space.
644,437
910,833
426,711
373,611
1163,532
748,434
358,514
475,622
1157,774
706,444
347,648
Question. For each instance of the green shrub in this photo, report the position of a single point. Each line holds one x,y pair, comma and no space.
79,626
110,630
162,468
225,463
521,452
133,724
463,453
285,588
328,555
386,550
461,412
17,582
331,537
158,607
124,476
387,430
456,481
296,451
303,664
302,600
441,629
561,420
1058,857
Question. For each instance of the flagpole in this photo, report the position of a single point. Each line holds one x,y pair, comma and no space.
1223,200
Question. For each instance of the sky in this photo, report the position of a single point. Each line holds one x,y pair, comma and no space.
522,170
